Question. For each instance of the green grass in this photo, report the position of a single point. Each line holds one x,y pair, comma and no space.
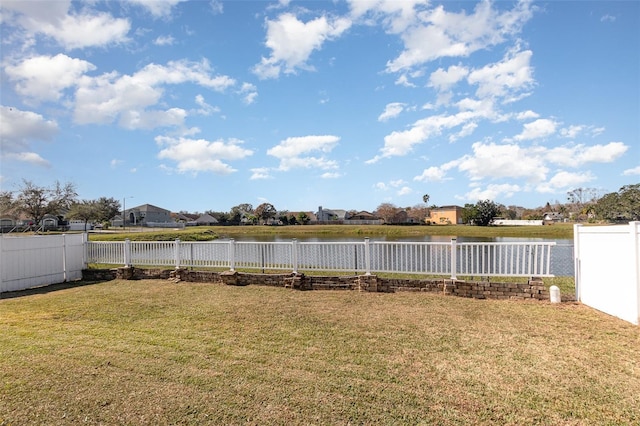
154,352
557,231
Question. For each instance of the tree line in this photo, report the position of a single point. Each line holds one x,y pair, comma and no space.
583,204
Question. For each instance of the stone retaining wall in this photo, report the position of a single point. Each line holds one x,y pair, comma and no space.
533,289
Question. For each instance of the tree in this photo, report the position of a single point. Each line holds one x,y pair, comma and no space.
469,213
8,205
303,218
106,209
630,201
482,213
387,212
265,211
623,205
239,212
487,210
418,212
100,210
36,201
85,210
581,196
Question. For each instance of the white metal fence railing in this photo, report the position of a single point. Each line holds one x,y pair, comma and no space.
432,258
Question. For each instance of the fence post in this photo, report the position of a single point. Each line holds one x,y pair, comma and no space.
635,241
454,258
232,254
294,255
127,252
367,256
176,252
64,258
2,260
576,258
85,245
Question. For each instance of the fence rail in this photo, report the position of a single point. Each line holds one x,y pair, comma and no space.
430,258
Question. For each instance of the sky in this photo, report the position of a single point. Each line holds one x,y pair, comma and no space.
204,105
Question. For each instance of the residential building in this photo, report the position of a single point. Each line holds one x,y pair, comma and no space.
144,215
446,215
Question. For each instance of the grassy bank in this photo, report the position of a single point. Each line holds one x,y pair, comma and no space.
557,231
153,352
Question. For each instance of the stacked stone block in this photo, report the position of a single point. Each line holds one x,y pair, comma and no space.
534,289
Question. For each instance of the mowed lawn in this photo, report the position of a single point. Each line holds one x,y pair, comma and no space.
156,352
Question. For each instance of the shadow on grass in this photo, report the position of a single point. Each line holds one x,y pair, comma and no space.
47,289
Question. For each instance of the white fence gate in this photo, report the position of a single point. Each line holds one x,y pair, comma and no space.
607,269
33,261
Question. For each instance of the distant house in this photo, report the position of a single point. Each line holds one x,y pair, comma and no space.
363,215
7,223
144,215
184,217
552,217
206,219
331,215
446,215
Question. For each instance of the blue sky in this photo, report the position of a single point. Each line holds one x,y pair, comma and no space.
204,105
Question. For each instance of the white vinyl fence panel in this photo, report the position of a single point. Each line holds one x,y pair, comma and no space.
33,261
607,262
483,259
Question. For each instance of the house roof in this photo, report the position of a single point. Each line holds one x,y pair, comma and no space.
206,218
447,208
149,208
365,213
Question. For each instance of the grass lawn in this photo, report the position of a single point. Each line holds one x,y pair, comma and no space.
155,352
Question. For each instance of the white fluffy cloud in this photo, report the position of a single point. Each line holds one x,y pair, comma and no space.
292,152
158,8
200,155
492,192
540,128
631,172
432,174
392,110
493,161
292,42
509,79
164,41
532,168
452,34
70,29
18,128
579,155
443,80
260,173
43,78
563,179
400,143
126,98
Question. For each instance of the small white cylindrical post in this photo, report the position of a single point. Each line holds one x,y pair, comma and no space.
176,252
367,256
127,252
232,254
454,265
294,255
554,294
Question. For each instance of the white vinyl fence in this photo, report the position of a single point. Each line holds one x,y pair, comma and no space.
33,261
607,269
469,259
